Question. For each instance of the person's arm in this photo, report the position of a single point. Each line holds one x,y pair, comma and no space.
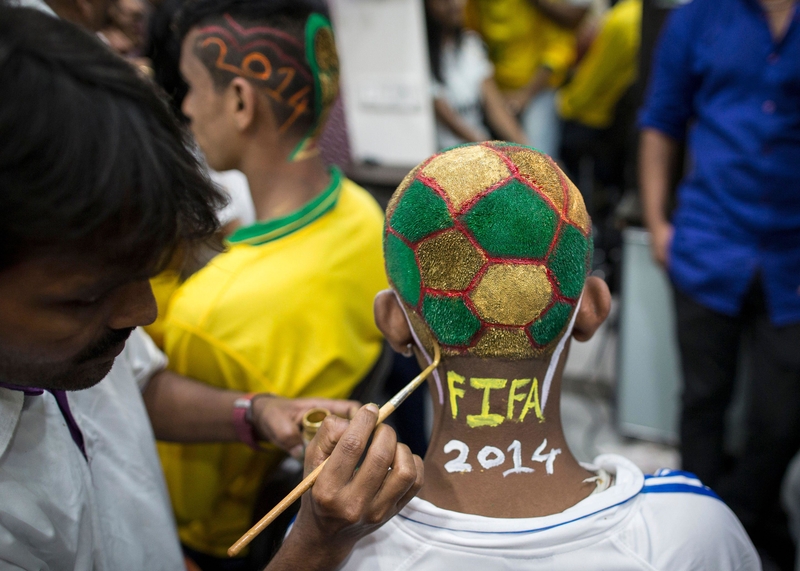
184,410
657,153
562,13
497,115
345,505
517,100
453,121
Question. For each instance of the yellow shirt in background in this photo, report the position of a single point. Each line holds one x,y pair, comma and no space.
288,310
520,40
607,71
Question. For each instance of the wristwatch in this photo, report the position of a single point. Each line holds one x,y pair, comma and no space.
243,420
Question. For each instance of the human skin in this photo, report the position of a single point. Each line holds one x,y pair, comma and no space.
489,492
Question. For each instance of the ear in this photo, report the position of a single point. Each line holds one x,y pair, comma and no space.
391,321
595,306
244,100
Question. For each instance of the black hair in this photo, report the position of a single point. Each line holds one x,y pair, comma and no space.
435,41
164,52
92,161
287,16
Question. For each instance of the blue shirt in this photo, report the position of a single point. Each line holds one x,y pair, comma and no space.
718,71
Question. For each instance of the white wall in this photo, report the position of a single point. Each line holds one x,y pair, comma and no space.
385,80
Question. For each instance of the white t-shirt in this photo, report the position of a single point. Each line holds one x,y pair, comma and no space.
464,69
667,522
60,512
240,207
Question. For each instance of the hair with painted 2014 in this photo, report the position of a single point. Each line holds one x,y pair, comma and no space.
488,246
284,47
91,158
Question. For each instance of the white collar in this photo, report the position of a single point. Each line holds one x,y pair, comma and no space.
629,481
10,410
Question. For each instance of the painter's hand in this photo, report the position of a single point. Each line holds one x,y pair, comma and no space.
279,420
660,242
345,505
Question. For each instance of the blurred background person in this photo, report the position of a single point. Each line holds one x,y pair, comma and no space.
531,54
466,97
728,70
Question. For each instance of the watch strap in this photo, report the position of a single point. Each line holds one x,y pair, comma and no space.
242,420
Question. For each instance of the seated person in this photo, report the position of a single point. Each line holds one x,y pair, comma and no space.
487,249
463,77
287,307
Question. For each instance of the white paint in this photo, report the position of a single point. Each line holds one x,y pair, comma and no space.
551,369
548,458
486,461
459,463
516,448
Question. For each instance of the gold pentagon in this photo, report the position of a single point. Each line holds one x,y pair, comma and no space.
576,209
465,172
537,169
504,343
512,294
448,261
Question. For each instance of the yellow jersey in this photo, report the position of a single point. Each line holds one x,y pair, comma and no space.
607,71
286,309
520,40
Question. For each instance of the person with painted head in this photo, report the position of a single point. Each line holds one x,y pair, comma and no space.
287,308
99,188
487,250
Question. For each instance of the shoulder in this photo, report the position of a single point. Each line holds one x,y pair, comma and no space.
355,199
683,524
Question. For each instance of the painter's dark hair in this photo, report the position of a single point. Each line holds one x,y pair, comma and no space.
91,158
435,32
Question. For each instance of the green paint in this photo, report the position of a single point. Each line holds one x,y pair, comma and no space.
512,222
547,328
401,267
450,319
568,262
420,212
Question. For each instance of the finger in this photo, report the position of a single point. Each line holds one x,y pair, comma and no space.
417,486
286,434
375,467
343,408
398,481
350,446
324,443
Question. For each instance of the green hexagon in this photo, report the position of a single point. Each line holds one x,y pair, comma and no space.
420,212
568,261
512,222
401,267
547,327
450,319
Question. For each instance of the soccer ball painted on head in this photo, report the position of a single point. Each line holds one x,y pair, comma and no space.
489,244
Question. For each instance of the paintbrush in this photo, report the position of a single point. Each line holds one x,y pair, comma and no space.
309,480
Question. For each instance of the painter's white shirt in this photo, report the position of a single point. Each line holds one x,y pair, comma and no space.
60,512
668,522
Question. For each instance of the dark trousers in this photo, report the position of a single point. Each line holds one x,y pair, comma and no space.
709,345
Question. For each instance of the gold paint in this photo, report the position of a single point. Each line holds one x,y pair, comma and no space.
448,261
401,188
485,418
512,294
505,343
465,172
455,393
537,169
532,402
312,420
576,210
513,397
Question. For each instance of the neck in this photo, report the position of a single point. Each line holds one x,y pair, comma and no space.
280,187
492,403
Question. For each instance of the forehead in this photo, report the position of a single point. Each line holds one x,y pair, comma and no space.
192,69
55,273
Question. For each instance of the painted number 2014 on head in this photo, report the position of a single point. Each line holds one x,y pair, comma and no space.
492,457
